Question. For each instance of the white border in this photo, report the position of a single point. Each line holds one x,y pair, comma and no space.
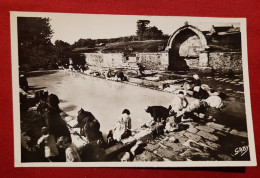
16,109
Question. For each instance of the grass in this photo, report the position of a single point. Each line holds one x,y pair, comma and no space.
126,47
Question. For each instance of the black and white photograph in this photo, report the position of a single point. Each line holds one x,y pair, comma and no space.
96,90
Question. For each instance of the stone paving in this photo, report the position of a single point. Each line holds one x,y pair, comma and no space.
197,143
193,142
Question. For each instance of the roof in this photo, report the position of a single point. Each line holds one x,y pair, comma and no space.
231,31
222,29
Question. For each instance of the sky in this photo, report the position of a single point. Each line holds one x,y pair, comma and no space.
72,27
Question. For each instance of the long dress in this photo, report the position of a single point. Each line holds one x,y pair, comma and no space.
57,127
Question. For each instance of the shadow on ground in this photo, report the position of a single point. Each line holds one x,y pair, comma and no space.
36,88
40,73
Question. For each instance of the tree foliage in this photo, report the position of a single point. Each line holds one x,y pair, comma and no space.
65,51
141,27
84,43
36,51
77,58
152,33
34,46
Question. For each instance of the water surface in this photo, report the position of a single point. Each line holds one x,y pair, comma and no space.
105,99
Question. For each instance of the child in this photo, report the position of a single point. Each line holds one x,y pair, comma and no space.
50,147
71,150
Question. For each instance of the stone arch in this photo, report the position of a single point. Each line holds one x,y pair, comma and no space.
177,39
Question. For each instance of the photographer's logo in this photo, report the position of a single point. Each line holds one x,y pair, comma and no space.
241,150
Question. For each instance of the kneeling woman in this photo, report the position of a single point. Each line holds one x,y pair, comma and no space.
122,126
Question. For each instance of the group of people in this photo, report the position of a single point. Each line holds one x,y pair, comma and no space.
116,75
206,94
204,98
56,138
56,133
77,68
54,147
169,119
180,109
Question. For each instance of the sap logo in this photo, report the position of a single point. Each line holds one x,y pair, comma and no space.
241,150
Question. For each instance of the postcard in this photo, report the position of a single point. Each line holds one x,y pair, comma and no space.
97,90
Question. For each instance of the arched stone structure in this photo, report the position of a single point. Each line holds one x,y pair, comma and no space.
181,35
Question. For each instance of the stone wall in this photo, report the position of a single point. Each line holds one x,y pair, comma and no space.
150,60
154,60
193,63
105,59
226,61
219,61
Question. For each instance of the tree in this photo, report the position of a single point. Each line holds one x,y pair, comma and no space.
77,58
141,27
63,49
81,43
34,46
65,52
152,33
